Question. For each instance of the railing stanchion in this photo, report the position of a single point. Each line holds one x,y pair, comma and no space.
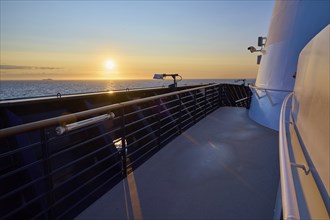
180,113
159,123
123,143
195,106
205,102
47,171
219,96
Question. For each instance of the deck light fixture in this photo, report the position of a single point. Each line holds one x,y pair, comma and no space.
164,75
261,44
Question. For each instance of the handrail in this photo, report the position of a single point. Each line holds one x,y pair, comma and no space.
83,114
76,125
289,199
267,89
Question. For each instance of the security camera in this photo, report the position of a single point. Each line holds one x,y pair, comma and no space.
252,49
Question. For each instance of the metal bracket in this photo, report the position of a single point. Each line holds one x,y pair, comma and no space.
269,97
301,166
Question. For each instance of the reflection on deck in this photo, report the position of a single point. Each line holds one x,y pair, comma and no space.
224,167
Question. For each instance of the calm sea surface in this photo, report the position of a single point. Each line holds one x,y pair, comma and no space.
28,89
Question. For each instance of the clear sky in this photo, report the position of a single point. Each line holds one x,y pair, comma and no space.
130,39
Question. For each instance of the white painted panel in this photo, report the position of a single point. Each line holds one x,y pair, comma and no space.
311,102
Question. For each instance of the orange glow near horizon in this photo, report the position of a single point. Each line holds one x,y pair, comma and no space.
115,42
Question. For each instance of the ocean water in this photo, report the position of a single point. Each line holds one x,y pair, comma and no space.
41,88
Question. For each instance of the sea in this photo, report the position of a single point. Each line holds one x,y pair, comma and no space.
19,89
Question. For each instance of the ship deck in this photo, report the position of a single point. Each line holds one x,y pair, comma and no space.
223,167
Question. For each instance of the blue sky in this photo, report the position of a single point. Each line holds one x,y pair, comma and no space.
199,39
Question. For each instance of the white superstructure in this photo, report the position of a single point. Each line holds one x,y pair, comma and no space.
293,25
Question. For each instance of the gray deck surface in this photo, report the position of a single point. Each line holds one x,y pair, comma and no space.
224,167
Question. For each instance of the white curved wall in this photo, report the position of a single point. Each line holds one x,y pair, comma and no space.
293,25
311,104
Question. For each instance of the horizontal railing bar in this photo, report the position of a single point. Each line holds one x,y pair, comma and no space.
188,102
140,110
81,186
58,186
59,217
169,109
24,205
186,117
169,137
269,89
188,96
175,99
171,129
140,129
188,107
22,187
209,111
169,123
210,95
185,126
141,138
187,120
87,169
189,111
76,146
83,114
200,107
12,172
199,115
200,98
137,159
144,146
169,116
185,98
80,158
140,120
8,153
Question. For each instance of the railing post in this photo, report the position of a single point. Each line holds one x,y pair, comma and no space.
159,123
219,96
195,106
213,97
123,143
205,101
47,168
180,113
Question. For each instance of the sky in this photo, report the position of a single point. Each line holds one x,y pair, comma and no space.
91,40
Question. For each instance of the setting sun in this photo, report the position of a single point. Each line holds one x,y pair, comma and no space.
110,65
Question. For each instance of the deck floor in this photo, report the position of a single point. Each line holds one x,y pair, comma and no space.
224,167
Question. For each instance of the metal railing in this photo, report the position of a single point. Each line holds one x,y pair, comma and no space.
266,90
54,168
289,199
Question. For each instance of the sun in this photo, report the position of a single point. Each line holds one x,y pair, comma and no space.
110,65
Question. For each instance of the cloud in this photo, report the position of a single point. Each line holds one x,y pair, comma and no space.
14,67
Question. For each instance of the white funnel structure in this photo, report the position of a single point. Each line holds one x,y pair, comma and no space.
293,25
